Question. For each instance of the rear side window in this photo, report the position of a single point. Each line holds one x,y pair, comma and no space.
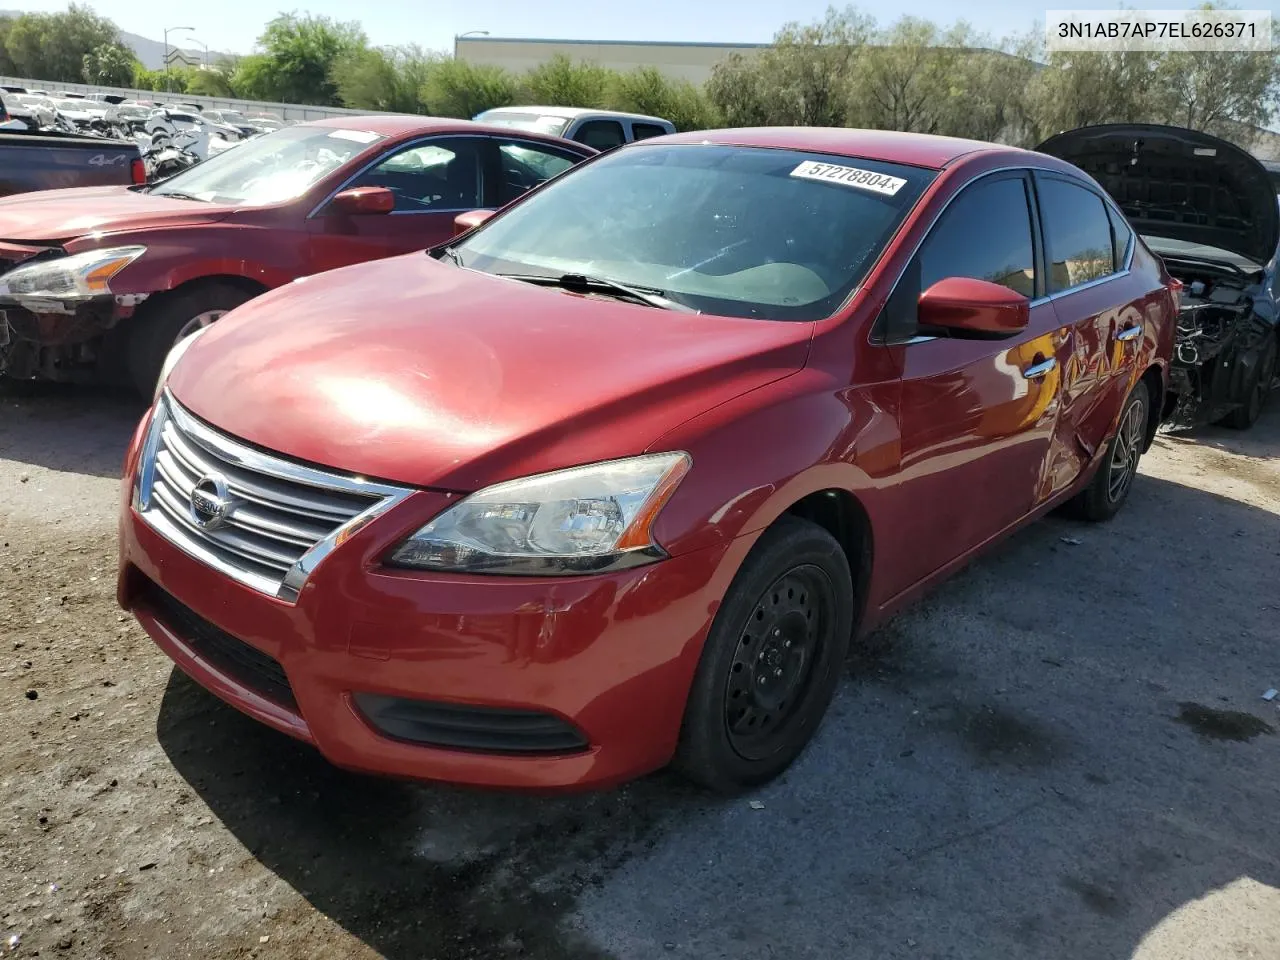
525,165
1077,234
985,234
643,131
1121,236
601,134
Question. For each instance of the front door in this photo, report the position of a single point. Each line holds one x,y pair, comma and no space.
433,181
976,416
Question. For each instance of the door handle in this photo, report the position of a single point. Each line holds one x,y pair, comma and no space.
1129,333
1038,370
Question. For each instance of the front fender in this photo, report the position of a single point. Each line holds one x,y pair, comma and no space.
758,455
182,254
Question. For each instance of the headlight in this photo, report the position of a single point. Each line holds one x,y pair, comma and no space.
172,357
79,275
584,519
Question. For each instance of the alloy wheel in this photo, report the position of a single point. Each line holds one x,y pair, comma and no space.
1127,451
199,322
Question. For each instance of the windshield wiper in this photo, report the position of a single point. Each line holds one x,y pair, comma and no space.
587,284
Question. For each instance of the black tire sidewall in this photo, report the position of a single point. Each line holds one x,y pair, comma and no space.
157,324
1094,503
706,754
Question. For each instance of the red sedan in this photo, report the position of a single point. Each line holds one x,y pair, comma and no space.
98,283
618,477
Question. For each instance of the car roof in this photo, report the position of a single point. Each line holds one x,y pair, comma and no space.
913,149
572,113
404,125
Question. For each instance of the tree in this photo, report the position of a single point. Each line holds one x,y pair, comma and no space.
388,79
803,78
647,90
213,82
110,64
7,66
297,60
561,82
52,46
456,88
1079,89
1215,91
906,80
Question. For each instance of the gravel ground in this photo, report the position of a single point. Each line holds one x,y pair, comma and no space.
1062,753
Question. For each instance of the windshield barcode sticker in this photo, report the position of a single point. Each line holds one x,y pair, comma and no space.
850,177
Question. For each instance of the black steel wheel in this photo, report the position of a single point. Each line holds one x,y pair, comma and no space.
771,661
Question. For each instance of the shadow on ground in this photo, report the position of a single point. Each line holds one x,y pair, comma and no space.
1047,758
67,428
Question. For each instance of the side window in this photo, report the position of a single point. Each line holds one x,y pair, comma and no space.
985,234
1121,235
440,175
601,134
643,131
1077,234
526,164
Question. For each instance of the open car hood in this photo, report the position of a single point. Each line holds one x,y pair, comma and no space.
1179,184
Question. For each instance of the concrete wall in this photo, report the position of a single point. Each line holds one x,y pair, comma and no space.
285,111
680,61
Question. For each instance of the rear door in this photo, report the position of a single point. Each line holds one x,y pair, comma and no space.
601,134
977,416
1088,248
433,180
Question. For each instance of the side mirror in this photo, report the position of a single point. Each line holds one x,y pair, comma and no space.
464,222
360,200
979,309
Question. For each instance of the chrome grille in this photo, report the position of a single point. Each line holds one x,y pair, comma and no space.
260,519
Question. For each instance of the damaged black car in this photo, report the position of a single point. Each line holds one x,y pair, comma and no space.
1210,210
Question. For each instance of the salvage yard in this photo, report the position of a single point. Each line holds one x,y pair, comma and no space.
1062,753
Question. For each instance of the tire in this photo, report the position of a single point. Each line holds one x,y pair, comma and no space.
777,646
1246,415
166,319
1109,488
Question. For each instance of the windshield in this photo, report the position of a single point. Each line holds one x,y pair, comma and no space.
533,122
230,116
270,169
71,105
737,231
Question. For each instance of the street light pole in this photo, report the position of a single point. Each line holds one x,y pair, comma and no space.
206,51
168,86
469,33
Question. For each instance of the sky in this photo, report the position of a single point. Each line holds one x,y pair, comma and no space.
231,26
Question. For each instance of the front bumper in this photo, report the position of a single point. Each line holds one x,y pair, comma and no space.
612,656
56,341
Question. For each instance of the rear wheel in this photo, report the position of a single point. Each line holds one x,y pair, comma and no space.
771,661
1109,488
1246,415
172,317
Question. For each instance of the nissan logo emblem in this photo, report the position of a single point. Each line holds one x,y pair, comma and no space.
211,502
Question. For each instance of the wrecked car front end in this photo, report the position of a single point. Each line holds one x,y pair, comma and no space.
57,310
1225,343
1209,209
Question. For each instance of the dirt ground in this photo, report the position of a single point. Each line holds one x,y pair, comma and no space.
1063,753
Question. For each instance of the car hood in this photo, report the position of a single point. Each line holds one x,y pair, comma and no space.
59,215
428,374
1180,184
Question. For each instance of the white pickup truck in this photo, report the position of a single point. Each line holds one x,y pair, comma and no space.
601,129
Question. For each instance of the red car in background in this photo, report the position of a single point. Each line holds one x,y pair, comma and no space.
98,283
618,475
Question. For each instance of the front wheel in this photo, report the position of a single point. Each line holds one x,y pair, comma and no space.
1109,488
771,661
169,318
